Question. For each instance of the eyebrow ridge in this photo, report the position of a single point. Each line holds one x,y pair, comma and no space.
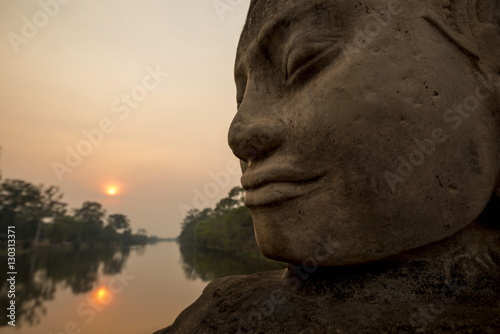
267,31
260,42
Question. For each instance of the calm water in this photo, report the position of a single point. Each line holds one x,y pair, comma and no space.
133,291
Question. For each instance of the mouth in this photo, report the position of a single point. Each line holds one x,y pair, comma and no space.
277,186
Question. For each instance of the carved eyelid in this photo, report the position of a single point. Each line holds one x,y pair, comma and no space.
301,50
300,56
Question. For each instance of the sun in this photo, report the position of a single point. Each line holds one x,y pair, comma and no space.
111,190
103,296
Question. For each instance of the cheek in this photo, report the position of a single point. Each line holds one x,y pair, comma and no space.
358,134
382,150
386,137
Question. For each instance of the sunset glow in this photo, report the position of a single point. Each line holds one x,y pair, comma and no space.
103,296
111,190
67,119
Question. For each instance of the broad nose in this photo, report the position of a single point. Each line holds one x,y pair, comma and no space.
254,139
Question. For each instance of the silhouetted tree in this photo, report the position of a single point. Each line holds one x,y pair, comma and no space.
91,216
232,201
26,206
39,213
118,222
219,228
64,228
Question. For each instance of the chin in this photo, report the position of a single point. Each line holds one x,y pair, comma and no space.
307,230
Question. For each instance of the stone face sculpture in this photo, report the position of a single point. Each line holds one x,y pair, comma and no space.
369,135
357,142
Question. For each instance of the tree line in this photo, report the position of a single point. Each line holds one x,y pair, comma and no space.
227,228
40,216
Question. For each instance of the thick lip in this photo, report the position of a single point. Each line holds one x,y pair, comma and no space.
267,186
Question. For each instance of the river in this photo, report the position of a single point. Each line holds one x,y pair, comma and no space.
131,291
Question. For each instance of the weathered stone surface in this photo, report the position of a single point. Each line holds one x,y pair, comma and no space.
450,287
373,122
369,138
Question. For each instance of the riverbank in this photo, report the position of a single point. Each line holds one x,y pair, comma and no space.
68,246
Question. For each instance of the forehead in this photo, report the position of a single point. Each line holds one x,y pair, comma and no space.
272,25
269,16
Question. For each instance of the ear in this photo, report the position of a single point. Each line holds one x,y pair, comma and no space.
454,22
473,26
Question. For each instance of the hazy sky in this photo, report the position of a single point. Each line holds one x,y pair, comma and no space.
100,65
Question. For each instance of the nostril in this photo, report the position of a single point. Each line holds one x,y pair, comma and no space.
252,141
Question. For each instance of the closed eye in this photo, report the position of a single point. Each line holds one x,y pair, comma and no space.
305,62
